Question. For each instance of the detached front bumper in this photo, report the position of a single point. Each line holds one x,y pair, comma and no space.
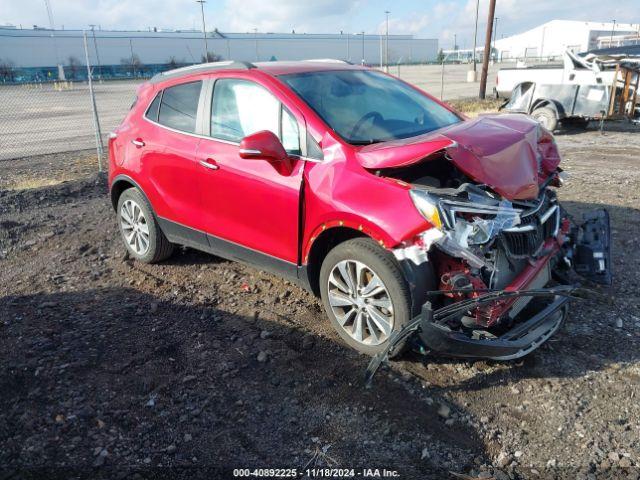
521,340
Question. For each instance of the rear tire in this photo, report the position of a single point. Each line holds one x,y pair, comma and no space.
546,117
139,228
363,314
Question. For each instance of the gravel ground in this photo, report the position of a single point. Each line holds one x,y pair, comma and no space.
113,369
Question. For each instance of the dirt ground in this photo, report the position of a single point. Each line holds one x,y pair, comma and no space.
187,369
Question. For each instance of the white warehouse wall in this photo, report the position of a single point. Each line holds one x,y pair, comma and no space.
553,38
36,48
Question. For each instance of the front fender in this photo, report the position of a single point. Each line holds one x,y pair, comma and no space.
338,194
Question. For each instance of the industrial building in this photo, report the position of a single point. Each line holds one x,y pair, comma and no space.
47,48
553,38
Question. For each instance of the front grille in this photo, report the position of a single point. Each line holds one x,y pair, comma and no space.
527,243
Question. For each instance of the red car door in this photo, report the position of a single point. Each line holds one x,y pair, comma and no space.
169,161
250,209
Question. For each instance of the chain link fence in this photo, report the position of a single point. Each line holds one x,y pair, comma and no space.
57,117
42,114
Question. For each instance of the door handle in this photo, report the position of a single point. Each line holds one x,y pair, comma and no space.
209,163
138,143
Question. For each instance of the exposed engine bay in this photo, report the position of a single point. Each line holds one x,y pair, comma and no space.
497,262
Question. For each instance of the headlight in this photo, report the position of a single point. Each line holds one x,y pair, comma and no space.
427,206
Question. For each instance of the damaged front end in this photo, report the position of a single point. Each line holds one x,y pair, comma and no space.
502,267
482,243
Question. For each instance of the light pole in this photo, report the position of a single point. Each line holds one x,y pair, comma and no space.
386,43
255,37
55,43
495,35
133,67
475,40
362,48
613,29
204,30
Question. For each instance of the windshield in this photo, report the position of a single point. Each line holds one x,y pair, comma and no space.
365,106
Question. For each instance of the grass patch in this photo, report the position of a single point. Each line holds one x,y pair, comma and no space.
46,170
472,107
31,183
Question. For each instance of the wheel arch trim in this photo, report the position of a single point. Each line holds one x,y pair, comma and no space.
361,228
115,191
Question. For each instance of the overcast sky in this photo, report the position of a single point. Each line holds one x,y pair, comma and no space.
425,18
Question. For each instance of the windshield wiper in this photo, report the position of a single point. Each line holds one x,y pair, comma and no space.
367,142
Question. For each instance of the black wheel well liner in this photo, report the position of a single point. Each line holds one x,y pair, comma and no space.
119,185
420,278
547,102
327,240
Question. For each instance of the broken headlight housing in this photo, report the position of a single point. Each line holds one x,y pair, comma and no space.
464,223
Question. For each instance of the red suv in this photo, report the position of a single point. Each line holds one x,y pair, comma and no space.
385,202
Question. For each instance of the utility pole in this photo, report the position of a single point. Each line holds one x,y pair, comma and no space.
348,48
386,43
363,62
95,46
455,42
204,30
487,50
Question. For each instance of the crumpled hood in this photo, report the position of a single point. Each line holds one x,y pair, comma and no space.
501,151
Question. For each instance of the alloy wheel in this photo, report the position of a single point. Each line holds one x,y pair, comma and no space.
134,227
360,302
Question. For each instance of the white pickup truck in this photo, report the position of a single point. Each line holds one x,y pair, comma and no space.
574,71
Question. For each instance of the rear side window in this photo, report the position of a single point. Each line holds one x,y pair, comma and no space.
152,111
179,106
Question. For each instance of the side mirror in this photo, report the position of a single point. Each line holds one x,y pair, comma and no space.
263,145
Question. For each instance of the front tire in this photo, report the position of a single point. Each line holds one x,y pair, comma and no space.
365,294
139,228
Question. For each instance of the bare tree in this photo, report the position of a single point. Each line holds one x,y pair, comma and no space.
211,57
7,71
74,67
172,63
133,62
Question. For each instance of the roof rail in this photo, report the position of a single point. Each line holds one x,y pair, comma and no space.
202,67
327,60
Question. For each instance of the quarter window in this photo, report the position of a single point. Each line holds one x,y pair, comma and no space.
241,107
290,132
152,111
179,106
